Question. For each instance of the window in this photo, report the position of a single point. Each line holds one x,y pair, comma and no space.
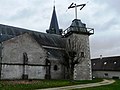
82,54
55,67
115,62
106,74
69,41
105,63
93,64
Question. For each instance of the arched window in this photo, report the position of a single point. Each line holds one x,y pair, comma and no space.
55,67
82,54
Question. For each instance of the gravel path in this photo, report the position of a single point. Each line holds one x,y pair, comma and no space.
104,82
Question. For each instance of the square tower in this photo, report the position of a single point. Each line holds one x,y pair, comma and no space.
78,41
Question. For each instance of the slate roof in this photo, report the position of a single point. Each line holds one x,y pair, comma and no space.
50,40
106,64
56,53
78,23
78,27
8,32
54,27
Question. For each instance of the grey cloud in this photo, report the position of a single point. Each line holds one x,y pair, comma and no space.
105,43
22,14
103,15
113,4
107,25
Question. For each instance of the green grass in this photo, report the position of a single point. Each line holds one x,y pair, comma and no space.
114,86
8,85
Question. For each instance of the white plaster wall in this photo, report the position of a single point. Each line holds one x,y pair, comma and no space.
101,74
36,72
11,72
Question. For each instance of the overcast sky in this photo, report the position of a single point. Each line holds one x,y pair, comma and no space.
102,15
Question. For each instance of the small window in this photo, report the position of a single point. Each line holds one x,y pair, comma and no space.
115,62
105,63
93,64
82,54
69,41
55,67
106,74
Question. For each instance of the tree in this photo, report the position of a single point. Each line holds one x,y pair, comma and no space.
69,62
71,56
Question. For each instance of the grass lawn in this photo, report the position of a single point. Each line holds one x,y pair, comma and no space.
114,86
38,84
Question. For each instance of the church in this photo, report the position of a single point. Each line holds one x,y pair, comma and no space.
27,54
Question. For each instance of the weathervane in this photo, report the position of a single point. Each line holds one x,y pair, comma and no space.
74,5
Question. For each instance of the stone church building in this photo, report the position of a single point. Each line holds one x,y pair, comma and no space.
27,54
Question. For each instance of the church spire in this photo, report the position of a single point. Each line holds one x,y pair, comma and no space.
54,27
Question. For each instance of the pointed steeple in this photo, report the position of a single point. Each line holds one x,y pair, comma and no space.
54,27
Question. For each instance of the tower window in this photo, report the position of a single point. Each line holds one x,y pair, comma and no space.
82,54
115,62
69,41
93,64
55,67
105,63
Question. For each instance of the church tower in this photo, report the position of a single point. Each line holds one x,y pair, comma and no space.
78,41
54,27
77,36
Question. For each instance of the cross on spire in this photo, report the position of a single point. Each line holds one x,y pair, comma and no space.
74,5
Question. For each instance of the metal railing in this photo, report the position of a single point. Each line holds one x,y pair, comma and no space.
79,30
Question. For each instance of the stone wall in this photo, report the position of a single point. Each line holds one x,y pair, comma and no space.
11,72
80,44
12,58
13,50
36,72
57,70
13,65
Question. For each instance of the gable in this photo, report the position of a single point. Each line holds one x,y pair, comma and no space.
14,48
8,32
